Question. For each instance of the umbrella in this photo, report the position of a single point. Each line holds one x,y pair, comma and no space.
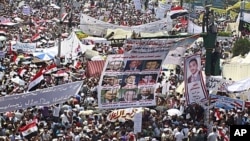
17,80
173,112
44,56
2,38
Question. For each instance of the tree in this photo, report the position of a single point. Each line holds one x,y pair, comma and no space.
241,47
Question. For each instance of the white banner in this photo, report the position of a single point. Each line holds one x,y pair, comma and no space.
123,115
137,122
137,4
239,86
128,80
92,26
25,47
194,28
160,13
195,89
157,45
217,83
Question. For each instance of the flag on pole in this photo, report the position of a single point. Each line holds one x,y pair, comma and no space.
36,80
29,130
244,22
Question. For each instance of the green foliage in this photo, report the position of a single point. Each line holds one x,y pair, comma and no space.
225,34
241,47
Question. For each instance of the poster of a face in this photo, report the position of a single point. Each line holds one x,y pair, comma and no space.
111,80
109,96
194,84
130,81
151,65
133,65
128,95
115,66
147,79
145,93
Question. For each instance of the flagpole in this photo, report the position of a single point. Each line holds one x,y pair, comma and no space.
60,31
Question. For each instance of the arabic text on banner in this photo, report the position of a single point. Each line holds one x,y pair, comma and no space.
195,90
128,80
25,47
92,26
217,83
156,45
226,102
43,97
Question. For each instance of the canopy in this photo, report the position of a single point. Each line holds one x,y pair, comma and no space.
237,6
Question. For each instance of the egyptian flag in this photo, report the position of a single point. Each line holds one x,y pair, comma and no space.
21,72
35,37
63,16
223,136
176,12
29,130
77,64
217,114
35,81
51,68
244,23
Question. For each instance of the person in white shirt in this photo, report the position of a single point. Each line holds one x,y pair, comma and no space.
56,112
213,136
179,135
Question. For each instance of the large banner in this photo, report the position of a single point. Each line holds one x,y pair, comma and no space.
195,89
43,97
226,103
92,26
157,45
128,80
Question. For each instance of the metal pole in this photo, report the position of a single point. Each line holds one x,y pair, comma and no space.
60,31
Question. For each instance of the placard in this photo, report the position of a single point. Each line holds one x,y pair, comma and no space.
128,80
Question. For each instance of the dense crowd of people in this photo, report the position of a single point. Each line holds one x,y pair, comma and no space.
70,121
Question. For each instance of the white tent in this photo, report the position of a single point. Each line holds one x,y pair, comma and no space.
237,68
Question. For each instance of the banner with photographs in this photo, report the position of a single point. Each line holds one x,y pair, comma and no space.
195,89
226,103
156,45
128,80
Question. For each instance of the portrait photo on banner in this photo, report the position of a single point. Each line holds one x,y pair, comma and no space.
130,81
115,66
128,95
151,65
147,79
145,93
111,80
194,85
109,96
133,65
